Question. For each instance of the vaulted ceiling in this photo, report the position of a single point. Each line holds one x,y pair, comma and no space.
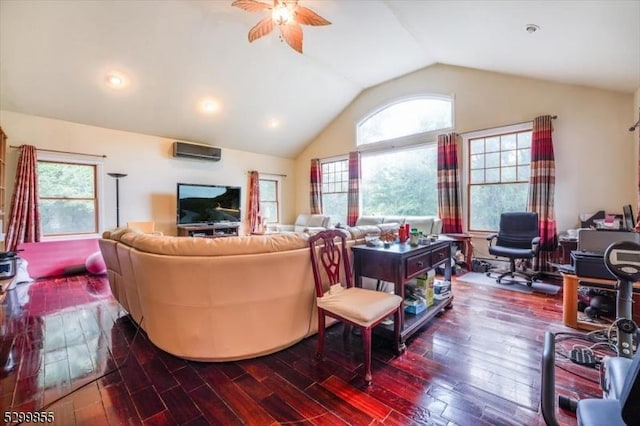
56,56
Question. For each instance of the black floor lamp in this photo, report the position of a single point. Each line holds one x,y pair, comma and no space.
117,176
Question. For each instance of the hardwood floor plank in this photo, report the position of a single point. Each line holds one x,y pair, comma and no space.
213,407
301,402
339,407
243,405
147,402
357,398
180,405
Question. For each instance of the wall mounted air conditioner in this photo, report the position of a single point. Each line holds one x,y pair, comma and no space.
194,150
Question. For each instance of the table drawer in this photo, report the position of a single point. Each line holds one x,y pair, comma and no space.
440,255
417,264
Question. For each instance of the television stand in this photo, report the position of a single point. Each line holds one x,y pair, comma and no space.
209,230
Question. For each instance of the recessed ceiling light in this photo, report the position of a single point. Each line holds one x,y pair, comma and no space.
116,80
209,106
532,28
273,123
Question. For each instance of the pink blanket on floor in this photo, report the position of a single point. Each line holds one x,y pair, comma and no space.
54,258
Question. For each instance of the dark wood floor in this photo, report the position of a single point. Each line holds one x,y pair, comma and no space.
477,364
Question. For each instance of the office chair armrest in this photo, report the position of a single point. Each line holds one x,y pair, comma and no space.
491,238
535,244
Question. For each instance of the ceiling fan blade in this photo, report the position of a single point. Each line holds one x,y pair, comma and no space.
292,34
251,5
261,29
307,16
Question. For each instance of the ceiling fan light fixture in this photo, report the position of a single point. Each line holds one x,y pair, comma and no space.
287,15
282,14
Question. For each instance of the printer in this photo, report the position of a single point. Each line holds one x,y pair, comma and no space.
588,259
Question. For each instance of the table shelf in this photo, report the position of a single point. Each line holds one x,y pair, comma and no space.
399,264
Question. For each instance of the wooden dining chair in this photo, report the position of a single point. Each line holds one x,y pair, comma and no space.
337,297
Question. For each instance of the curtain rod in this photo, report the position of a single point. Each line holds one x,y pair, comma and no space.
635,126
553,117
63,152
266,173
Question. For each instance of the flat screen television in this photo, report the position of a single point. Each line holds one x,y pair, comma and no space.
207,203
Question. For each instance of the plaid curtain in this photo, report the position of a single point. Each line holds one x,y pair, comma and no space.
353,194
449,196
24,222
315,181
253,214
542,181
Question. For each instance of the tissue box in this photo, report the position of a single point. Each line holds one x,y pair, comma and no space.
441,290
425,284
412,306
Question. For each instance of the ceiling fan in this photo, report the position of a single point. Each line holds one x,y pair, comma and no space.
287,15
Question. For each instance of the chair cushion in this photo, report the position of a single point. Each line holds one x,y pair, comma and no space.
362,306
599,412
512,253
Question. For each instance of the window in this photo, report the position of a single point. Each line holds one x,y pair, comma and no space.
335,185
407,117
400,182
498,178
68,198
269,201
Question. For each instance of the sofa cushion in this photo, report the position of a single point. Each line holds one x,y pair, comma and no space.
318,220
423,224
359,232
391,226
369,220
394,219
302,219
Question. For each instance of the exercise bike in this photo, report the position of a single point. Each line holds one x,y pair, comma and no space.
620,378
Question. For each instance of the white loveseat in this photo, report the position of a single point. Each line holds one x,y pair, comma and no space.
428,225
309,223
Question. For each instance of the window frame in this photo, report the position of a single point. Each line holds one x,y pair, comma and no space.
98,163
324,161
466,160
408,140
278,182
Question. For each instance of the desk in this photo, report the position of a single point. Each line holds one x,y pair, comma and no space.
467,246
399,264
570,285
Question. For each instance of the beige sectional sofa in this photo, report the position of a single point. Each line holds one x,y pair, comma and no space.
214,299
217,299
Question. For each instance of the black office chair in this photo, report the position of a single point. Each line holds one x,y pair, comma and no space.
518,238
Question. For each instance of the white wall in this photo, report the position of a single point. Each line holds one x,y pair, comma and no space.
596,162
149,190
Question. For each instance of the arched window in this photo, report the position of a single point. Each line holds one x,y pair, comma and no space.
405,118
